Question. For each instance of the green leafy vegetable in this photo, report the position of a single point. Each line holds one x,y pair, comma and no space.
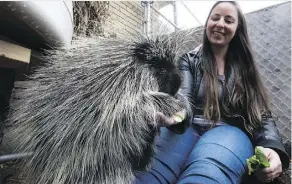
179,117
259,160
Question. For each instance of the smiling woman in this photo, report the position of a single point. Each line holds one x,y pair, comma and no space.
230,92
222,24
230,111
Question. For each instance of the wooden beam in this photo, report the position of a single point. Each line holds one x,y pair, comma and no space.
13,56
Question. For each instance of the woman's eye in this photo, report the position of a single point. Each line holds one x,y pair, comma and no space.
229,21
214,19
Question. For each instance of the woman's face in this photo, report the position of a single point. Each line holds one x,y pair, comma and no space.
222,24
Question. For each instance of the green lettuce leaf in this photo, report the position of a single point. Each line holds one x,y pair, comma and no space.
259,160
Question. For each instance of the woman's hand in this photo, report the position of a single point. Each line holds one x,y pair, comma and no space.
266,175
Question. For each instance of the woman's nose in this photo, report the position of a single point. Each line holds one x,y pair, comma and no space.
220,23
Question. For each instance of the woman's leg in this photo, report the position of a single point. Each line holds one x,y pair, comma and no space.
218,157
172,152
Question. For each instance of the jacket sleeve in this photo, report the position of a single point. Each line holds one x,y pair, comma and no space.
187,78
268,136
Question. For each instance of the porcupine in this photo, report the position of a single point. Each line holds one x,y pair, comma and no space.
89,113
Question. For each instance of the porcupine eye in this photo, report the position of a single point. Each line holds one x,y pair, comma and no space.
169,81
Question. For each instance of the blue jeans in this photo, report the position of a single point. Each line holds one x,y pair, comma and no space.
218,156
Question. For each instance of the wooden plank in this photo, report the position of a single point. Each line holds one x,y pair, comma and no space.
12,55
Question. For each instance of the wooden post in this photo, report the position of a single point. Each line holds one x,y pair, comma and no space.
12,55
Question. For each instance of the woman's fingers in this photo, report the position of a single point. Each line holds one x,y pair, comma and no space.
266,175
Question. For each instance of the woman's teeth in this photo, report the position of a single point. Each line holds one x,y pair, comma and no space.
218,33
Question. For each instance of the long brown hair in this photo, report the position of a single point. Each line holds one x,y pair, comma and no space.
248,92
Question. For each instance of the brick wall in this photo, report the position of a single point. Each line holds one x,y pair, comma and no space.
126,18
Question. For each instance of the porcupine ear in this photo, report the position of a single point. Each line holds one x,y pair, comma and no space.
153,53
158,55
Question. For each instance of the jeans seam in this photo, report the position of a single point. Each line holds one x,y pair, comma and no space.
229,150
208,163
238,178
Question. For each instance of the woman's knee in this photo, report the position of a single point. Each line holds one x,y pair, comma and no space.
225,148
230,137
171,153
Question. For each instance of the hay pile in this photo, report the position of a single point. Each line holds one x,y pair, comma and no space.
90,17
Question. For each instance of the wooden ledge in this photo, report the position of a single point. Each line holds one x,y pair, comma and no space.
13,56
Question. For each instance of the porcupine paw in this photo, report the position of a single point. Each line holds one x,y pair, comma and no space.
174,113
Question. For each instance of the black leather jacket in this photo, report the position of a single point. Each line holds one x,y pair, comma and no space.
192,87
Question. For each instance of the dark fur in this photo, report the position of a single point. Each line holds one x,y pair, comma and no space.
88,114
